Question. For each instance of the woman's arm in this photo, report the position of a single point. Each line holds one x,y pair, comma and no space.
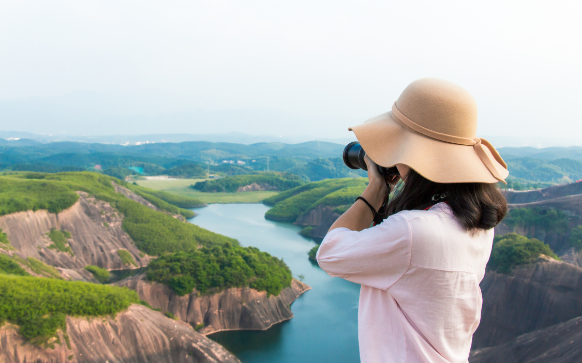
359,216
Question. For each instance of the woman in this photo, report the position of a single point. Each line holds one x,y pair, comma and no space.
421,267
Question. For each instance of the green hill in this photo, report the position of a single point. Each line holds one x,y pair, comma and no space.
281,181
512,250
39,306
154,233
220,267
289,205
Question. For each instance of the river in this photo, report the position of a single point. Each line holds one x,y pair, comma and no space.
324,328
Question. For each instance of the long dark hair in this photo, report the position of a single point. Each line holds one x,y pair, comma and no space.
476,205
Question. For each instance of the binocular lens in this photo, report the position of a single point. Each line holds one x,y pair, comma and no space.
354,159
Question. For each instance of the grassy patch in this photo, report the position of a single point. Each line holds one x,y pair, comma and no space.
4,242
199,326
220,267
39,306
100,274
126,257
181,187
9,266
512,250
39,267
60,241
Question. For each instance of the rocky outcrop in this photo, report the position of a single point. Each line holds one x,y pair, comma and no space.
231,309
561,343
96,236
533,297
137,335
255,187
321,218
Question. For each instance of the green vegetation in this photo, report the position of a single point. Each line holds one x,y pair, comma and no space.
281,181
106,225
576,238
179,201
306,231
313,252
530,171
512,249
220,267
153,232
199,326
169,315
60,242
39,306
39,267
100,274
321,169
188,171
21,194
162,201
289,205
548,220
126,257
181,187
4,242
9,266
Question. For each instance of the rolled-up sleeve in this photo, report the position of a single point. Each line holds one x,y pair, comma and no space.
375,257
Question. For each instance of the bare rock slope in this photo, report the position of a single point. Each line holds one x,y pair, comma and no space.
137,335
96,235
560,343
534,297
231,309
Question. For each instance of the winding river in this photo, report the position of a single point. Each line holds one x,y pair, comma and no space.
324,328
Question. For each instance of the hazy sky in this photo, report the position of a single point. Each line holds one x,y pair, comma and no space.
320,65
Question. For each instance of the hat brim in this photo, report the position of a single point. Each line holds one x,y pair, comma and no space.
387,142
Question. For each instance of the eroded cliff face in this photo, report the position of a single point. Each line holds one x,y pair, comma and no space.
231,309
533,297
321,218
96,236
137,335
560,343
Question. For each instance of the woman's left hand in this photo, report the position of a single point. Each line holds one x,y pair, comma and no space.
376,191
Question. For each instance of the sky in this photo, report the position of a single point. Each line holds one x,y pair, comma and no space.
308,68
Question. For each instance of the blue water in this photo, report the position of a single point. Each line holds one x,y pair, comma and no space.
137,169
324,328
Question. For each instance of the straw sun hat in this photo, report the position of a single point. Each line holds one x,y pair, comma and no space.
432,129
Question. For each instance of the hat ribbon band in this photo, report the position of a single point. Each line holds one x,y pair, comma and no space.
478,144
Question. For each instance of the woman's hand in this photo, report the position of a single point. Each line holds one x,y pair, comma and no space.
376,191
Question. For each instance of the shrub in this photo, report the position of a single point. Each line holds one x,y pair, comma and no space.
39,267
512,249
199,326
39,306
11,267
126,257
220,267
169,315
306,231
60,242
4,242
313,252
100,274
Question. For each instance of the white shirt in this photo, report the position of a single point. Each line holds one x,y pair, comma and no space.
420,271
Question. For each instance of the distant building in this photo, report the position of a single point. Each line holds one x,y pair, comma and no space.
98,167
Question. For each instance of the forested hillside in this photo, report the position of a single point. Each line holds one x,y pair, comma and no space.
260,181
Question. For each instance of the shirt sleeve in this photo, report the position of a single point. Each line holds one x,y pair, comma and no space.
375,257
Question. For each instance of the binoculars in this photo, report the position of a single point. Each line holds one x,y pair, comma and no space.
354,159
